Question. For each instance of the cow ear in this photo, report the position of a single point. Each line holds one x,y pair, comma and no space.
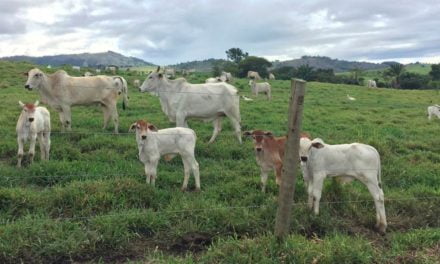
25,74
268,134
317,145
21,103
158,69
160,75
132,127
152,127
305,135
247,133
36,103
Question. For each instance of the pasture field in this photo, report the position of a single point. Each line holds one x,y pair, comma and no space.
90,202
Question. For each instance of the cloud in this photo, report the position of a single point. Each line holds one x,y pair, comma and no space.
173,31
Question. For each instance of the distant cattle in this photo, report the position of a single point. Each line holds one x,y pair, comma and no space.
253,75
61,91
181,100
136,83
87,74
260,88
371,84
153,143
271,76
269,153
97,70
170,73
433,110
213,80
77,68
348,161
112,69
34,121
351,98
226,77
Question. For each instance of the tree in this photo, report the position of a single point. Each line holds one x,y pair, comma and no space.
284,73
396,70
435,72
305,72
236,55
252,63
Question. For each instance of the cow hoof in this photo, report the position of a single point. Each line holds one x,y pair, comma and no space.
183,189
197,189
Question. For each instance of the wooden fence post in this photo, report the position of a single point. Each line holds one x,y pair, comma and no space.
291,160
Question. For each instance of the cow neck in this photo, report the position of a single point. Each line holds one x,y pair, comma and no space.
46,87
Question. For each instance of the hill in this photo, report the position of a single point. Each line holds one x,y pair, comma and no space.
83,59
198,65
321,62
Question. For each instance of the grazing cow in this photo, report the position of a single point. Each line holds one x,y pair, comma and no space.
136,83
271,76
34,121
226,77
181,100
61,91
349,161
98,71
269,153
371,84
253,75
112,69
87,74
213,80
153,143
433,110
170,73
246,98
77,68
260,88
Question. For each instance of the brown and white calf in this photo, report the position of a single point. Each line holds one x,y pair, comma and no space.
153,144
34,121
269,153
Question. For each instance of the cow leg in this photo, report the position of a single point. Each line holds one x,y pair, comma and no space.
264,175
186,169
115,117
42,146
47,144
150,172
67,118
237,128
217,128
181,120
269,95
63,124
106,112
20,152
278,172
318,183
32,148
379,202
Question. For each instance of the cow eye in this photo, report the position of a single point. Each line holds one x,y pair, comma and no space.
151,77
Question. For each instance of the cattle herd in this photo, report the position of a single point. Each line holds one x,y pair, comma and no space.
211,101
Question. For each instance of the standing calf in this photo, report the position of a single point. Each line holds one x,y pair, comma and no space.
269,153
153,144
350,161
260,87
34,121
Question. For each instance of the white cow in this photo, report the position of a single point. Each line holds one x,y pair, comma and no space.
371,84
61,91
260,88
181,100
253,75
433,110
34,121
226,77
87,74
349,161
152,144
170,72
77,68
271,76
98,70
136,83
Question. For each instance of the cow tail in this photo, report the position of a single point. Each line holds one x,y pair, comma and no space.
124,91
379,174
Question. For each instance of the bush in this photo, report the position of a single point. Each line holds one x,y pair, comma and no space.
415,81
253,63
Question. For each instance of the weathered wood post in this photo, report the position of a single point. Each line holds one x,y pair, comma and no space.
291,160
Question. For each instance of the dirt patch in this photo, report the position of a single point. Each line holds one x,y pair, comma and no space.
192,241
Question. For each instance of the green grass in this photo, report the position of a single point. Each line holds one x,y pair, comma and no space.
90,202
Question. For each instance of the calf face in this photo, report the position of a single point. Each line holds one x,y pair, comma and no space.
306,144
258,137
142,127
28,111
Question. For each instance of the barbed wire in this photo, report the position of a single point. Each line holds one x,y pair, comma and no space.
141,211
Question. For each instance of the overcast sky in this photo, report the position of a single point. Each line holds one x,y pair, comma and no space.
172,31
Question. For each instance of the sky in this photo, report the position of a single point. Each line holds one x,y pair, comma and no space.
172,31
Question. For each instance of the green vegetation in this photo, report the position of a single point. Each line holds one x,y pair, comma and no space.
90,202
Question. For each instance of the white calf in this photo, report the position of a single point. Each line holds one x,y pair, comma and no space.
213,80
350,161
260,88
153,144
33,121
433,110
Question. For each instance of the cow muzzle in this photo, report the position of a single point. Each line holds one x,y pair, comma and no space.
303,158
144,137
31,119
258,149
27,86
